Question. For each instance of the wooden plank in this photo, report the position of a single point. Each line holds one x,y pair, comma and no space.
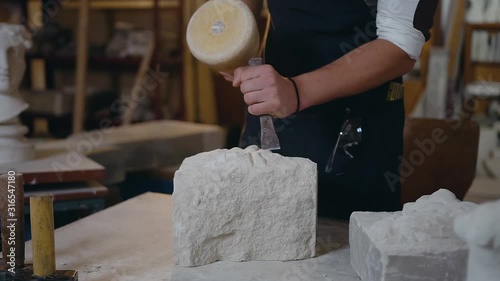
486,72
159,143
455,37
139,78
156,130
141,146
63,167
81,67
188,68
486,64
485,26
133,241
68,191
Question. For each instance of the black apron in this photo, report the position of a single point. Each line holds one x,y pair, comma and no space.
307,35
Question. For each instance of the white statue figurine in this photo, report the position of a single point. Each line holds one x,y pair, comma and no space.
481,230
14,147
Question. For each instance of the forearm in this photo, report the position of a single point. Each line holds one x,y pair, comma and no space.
361,70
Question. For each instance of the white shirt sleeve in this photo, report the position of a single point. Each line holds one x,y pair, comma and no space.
406,23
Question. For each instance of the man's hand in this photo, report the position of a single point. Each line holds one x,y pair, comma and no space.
265,91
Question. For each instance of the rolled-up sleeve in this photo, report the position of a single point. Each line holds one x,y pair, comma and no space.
406,23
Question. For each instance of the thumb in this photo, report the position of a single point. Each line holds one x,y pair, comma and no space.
237,76
228,77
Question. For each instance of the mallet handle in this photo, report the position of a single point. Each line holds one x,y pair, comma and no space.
42,230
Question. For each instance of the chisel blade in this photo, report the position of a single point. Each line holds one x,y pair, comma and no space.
268,137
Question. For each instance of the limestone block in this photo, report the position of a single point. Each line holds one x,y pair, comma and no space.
417,243
244,205
481,230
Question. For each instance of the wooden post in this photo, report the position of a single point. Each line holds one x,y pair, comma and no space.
157,96
42,230
188,71
468,72
455,36
81,67
133,99
12,218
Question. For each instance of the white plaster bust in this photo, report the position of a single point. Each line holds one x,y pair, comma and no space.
14,40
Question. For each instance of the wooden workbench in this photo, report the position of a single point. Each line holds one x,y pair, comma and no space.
132,241
139,147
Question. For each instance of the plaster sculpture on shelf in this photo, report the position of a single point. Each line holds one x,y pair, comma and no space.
494,110
476,11
481,230
492,10
14,148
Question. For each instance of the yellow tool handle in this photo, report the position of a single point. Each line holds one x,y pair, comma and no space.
42,230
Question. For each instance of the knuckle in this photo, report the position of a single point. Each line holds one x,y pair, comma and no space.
273,81
247,98
251,110
238,72
268,68
243,87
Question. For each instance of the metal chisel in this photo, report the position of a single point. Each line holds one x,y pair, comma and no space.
268,137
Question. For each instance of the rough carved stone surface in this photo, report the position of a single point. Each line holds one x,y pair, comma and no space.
244,205
416,244
481,230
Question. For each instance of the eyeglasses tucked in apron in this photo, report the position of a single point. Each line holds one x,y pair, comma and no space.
345,149
350,136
